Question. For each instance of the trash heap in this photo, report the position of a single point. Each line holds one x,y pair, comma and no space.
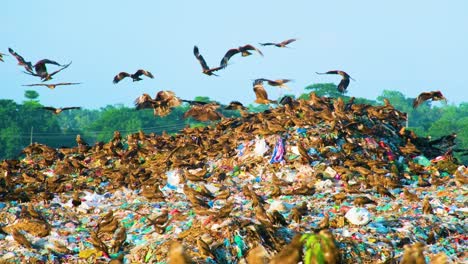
340,182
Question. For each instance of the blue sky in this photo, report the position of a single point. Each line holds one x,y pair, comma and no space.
409,46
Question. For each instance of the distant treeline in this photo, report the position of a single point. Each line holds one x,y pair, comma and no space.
22,123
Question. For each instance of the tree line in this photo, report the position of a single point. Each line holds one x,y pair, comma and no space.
23,123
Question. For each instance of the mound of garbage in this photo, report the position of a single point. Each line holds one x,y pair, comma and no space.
318,181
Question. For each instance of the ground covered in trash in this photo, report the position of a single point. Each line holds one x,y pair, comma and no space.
348,179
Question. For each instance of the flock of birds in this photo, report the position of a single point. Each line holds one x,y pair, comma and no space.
201,111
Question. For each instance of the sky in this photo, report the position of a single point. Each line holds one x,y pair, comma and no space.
408,46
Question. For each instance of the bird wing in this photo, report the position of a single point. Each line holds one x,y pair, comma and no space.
200,58
286,42
421,98
144,101
46,61
49,108
21,60
227,56
64,83
120,76
61,69
71,107
343,85
267,44
143,72
35,84
250,47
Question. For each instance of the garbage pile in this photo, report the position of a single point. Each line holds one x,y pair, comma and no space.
314,179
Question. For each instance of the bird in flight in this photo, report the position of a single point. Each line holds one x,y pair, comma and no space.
344,81
260,93
434,95
51,85
57,111
41,69
1,56
280,83
205,69
244,50
279,45
135,76
21,61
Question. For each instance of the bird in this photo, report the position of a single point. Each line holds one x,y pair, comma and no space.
362,200
291,253
20,238
41,69
280,83
57,111
135,77
384,191
76,200
1,56
235,105
21,61
260,93
422,97
177,254
344,81
203,113
51,85
426,206
205,69
279,45
244,50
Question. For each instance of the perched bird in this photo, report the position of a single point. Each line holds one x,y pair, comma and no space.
76,200
235,105
291,253
362,200
204,249
325,222
279,83
135,77
410,196
261,94
57,111
344,81
205,69
203,113
426,206
51,86
20,238
21,61
80,141
244,50
434,95
384,192
279,45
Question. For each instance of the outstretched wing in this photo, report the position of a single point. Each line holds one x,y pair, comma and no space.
21,61
228,56
64,83
35,84
200,58
50,108
250,47
70,108
421,98
120,76
144,101
46,61
143,72
286,42
267,44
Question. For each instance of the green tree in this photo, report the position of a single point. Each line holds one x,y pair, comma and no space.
325,89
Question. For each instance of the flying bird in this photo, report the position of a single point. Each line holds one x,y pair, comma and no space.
244,50
51,85
21,61
206,70
135,76
260,93
57,111
41,69
279,45
434,95
1,56
278,83
344,81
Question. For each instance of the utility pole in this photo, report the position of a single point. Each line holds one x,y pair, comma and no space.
30,141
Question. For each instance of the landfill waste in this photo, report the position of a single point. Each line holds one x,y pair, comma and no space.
315,180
